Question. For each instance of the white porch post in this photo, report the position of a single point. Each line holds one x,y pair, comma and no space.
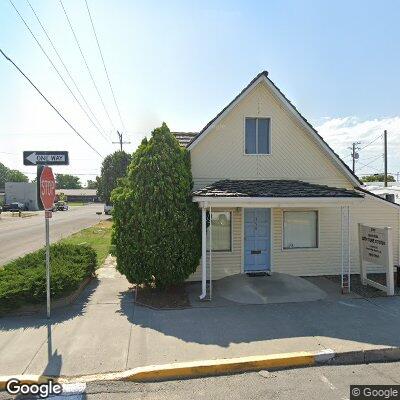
203,252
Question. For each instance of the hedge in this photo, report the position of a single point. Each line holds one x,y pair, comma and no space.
23,281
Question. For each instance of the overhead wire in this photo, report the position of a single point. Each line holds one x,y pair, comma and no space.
87,65
48,101
66,69
104,65
54,67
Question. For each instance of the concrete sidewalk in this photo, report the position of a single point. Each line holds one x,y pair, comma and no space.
104,331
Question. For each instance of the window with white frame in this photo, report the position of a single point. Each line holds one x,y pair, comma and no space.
300,229
257,136
221,231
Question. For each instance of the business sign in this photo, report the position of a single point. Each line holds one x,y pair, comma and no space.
376,247
47,188
46,158
374,244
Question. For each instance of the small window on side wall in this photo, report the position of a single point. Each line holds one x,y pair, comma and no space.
300,229
257,136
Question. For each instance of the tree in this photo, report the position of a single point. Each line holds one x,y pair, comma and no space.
377,178
113,168
11,175
65,181
91,184
17,176
156,234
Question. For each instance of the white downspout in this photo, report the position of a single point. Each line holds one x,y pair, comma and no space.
203,253
210,233
349,244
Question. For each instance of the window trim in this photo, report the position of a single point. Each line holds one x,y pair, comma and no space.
283,230
270,135
231,235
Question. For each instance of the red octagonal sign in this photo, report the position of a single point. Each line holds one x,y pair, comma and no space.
47,188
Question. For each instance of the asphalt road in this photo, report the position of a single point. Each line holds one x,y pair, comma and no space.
316,383
19,236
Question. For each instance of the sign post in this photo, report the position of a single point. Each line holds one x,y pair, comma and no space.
47,195
376,246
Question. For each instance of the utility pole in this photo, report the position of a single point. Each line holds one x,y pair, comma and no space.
354,155
120,141
385,156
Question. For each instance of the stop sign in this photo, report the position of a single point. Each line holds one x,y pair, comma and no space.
47,188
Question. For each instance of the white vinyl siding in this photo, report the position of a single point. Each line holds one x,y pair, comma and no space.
294,154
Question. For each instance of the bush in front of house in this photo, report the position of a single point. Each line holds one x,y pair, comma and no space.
23,281
156,233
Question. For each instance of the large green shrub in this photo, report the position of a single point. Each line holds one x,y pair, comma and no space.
23,281
156,225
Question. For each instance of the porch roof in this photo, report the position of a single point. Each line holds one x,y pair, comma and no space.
272,189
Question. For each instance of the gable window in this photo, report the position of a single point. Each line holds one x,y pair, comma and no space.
300,229
257,136
221,231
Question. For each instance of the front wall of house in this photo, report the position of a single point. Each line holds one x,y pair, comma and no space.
294,154
324,260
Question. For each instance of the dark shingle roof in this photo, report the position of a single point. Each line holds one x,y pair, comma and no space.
184,138
272,188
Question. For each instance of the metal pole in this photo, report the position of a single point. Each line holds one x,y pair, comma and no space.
385,156
47,266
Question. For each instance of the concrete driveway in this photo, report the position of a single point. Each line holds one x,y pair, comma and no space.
104,331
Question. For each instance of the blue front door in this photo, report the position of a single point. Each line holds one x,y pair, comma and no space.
257,239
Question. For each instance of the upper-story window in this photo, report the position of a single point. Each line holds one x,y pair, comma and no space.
257,136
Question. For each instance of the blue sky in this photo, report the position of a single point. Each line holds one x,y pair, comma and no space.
181,62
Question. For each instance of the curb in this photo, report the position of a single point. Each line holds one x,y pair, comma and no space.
196,369
191,369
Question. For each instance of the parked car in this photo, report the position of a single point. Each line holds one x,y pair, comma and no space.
108,209
6,207
17,207
61,206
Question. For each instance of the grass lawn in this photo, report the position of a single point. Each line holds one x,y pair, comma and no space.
97,236
76,203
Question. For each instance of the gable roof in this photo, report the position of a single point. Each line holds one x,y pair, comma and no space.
263,77
272,188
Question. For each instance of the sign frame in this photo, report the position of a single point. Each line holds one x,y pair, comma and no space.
34,158
376,245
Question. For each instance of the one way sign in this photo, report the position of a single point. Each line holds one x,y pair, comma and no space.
46,158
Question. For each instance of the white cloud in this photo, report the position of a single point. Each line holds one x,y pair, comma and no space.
340,133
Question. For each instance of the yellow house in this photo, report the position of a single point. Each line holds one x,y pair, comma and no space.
280,199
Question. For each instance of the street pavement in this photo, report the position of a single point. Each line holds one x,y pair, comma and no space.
103,331
313,383
19,236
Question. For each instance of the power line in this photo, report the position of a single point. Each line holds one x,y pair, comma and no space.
66,69
365,165
53,65
48,101
87,66
372,141
104,65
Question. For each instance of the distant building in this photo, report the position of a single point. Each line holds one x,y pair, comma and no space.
83,195
391,193
22,192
